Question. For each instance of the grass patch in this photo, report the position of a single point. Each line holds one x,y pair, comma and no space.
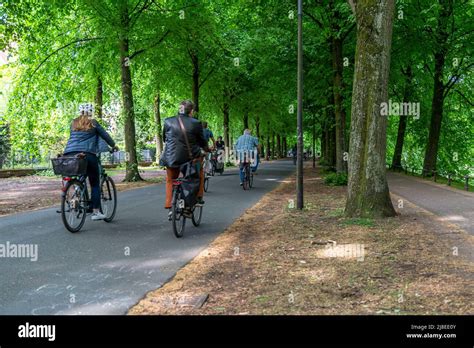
338,212
336,179
47,173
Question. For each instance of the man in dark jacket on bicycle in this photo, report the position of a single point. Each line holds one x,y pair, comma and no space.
176,150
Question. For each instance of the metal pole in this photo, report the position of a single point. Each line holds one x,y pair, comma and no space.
299,168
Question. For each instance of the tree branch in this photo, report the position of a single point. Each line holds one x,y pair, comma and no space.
61,48
136,53
208,74
348,31
318,22
455,77
462,95
134,16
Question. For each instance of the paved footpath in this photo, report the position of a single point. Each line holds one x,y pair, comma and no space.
89,273
451,205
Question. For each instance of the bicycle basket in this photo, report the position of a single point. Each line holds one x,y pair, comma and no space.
69,166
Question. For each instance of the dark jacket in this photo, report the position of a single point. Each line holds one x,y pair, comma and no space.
176,152
88,141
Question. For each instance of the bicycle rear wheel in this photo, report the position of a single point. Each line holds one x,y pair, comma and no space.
246,183
108,202
74,206
206,184
197,215
177,218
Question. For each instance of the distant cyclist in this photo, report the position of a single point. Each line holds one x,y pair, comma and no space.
247,147
294,152
220,145
86,134
208,135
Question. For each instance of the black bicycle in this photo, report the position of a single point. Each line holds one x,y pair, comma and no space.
179,211
217,162
76,202
209,170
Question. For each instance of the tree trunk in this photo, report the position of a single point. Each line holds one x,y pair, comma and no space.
368,193
132,173
340,115
99,98
431,153
158,136
196,73
267,155
331,132
273,145
246,120
227,143
402,124
332,146
323,143
278,146
257,127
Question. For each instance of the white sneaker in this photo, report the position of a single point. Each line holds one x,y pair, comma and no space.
97,216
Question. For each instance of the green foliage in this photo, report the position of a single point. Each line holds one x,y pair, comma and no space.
336,179
46,173
60,49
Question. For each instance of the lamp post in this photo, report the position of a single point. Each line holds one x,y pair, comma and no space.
299,168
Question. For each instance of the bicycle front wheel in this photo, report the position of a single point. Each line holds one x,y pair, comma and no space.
206,184
108,202
74,206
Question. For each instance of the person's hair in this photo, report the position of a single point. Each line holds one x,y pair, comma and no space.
204,124
219,137
186,106
82,123
247,132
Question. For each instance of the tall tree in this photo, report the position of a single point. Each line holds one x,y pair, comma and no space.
402,125
368,193
446,35
158,134
132,173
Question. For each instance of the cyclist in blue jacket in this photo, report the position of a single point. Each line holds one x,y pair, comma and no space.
85,136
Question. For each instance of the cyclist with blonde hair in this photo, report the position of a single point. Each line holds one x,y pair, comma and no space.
84,138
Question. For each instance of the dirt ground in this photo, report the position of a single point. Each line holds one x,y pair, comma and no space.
277,260
27,193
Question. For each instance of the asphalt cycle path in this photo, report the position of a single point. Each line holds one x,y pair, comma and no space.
107,268
450,205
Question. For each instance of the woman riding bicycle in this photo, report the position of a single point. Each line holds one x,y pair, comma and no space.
85,136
